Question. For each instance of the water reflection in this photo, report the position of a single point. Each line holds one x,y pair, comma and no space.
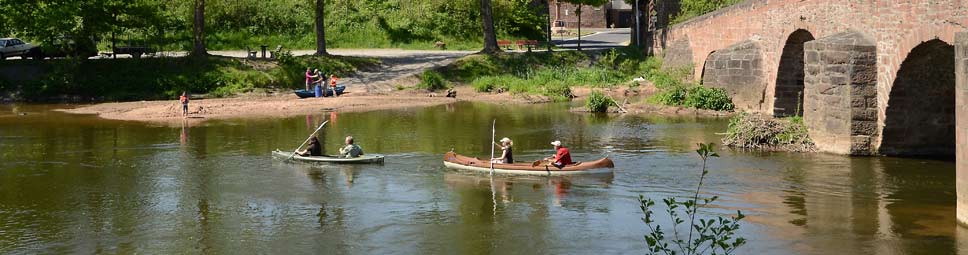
77,184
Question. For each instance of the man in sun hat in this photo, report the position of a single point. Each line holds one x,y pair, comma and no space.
562,156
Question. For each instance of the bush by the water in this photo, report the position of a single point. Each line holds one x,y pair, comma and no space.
598,102
431,80
674,90
765,132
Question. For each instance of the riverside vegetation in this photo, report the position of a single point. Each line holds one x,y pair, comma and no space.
553,74
164,78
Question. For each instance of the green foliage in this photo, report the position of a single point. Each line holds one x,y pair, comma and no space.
432,80
674,91
164,78
694,8
237,24
701,97
708,236
763,132
543,73
598,102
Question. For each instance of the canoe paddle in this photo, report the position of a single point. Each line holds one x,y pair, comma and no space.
493,132
307,140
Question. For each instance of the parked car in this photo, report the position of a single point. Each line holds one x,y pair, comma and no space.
64,47
12,47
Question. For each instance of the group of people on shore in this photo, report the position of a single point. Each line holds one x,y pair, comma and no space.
561,158
316,78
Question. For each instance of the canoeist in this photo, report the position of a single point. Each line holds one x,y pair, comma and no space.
314,149
562,156
351,150
184,101
507,155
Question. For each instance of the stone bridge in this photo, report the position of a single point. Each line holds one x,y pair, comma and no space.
869,77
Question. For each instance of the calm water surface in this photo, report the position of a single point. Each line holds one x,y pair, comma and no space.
79,184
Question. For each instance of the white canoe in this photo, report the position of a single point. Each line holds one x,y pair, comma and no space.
366,158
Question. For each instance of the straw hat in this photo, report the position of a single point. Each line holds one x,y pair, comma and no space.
504,140
556,143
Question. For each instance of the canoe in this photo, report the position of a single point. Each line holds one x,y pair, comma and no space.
366,158
460,162
302,93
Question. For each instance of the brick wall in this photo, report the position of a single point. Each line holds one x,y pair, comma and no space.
591,16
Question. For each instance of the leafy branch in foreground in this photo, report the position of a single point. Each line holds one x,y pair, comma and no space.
708,236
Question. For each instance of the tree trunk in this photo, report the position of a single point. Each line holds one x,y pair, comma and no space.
548,12
198,33
579,25
490,38
321,28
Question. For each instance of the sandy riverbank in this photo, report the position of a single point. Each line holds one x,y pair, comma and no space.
286,104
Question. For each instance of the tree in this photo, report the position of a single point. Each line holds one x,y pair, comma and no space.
198,33
582,3
321,28
487,20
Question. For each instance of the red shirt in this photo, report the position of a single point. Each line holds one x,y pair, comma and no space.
563,156
332,81
183,99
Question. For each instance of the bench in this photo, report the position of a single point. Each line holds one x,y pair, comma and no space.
249,53
274,54
505,44
527,44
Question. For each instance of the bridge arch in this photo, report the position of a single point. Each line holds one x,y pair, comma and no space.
919,119
788,92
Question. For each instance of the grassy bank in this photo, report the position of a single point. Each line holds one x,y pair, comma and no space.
675,89
164,78
550,74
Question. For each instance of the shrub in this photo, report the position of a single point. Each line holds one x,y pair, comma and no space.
431,80
598,102
701,97
557,91
674,96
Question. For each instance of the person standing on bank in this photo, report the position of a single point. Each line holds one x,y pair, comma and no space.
332,84
507,155
184,101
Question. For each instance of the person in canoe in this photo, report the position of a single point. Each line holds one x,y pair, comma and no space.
507,155
314,149
562,156
351,150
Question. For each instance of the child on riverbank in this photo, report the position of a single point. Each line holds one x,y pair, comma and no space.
332,84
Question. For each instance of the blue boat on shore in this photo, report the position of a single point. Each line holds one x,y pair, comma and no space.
302,93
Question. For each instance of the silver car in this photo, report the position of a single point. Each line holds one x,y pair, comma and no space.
12,47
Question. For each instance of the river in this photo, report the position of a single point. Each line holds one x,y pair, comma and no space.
80,184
